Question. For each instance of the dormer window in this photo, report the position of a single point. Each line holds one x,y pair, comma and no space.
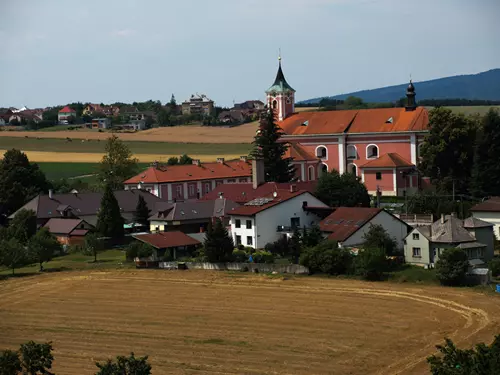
390,120
305,123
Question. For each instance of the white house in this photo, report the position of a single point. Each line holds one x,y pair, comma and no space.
348,225
263,220
489,211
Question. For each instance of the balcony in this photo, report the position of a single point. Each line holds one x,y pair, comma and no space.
285,229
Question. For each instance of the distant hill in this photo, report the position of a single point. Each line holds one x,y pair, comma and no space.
484,86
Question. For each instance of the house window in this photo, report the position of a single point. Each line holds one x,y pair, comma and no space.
378,175
371,151
275,104
416,236
310,171
249,241
416,252
218,182
321,152
352,152
178,191
231,181
207,188
237,223
191,190
295,222
249,224
242,180
479,253
238,240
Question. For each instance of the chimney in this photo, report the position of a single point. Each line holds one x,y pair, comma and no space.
221,194
244,159
258,177
220,160
293,188
196,162
50,193
442,218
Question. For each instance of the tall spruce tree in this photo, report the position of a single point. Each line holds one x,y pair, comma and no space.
486,170
109,220
277,167
218,245
142,211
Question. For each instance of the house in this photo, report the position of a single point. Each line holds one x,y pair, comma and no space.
348,225
424,244
101,123
191,216
85,206
489,211
198,105
92,109
250,105
266,218
193,181
135,125
170,245
69,231
66,114
381,146
233,116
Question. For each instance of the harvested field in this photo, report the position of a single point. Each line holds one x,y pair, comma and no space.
175,134
204,323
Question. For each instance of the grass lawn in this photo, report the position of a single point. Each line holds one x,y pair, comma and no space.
413,274
56,171
469,110
109,259
61,145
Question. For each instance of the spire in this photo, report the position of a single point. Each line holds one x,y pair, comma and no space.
411,104
280,84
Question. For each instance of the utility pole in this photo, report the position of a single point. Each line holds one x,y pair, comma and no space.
453,181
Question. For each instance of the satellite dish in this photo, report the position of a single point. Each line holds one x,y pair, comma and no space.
275,194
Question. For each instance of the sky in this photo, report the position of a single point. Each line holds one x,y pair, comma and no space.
55,52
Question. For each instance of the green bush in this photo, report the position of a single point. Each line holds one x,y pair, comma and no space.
240,256
327,258
138,249
452,266
494,266
263,257
371,264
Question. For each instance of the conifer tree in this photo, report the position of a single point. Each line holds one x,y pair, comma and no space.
109,220
486,169
277,167
142,212
218,245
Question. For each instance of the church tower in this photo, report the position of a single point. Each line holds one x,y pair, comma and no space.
411,103
281,96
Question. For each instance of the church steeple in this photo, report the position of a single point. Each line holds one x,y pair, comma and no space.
411,103
281,96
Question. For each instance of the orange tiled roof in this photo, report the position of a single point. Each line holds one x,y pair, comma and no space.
385,120
67,109
345,221
390,160
191,172
296,152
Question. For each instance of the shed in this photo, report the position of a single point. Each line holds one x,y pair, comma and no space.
170,245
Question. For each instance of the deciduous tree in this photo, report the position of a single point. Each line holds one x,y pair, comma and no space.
125,366
109,219
93,245
327,258
371,263
378,238
117,165
23,226
9,363
344,190
42,247
13,254
36,358
277,167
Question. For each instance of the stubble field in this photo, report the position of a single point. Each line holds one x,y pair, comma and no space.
221,323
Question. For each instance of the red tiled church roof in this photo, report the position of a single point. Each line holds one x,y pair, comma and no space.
67,109
298,153
192,172
390,160
381,120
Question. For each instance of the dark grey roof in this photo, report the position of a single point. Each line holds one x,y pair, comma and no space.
195,210
471,245
87,204
451,231
473,222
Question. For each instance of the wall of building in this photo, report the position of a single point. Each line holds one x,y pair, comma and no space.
386,184
490,217
394,227
485,235
243,231
422,243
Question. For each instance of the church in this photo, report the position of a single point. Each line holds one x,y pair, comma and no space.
380,146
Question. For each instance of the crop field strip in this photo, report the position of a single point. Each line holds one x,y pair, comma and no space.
204,323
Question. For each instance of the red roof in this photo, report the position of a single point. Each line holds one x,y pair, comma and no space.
163,240
191,172
262,203
378,120
67,109
345,221
243,193
296,152
390,160
490,205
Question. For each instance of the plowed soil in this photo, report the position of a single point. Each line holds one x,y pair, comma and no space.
197,322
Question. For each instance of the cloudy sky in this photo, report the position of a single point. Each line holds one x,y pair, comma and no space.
59,51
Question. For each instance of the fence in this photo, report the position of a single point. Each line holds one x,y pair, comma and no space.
250,267
416,220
